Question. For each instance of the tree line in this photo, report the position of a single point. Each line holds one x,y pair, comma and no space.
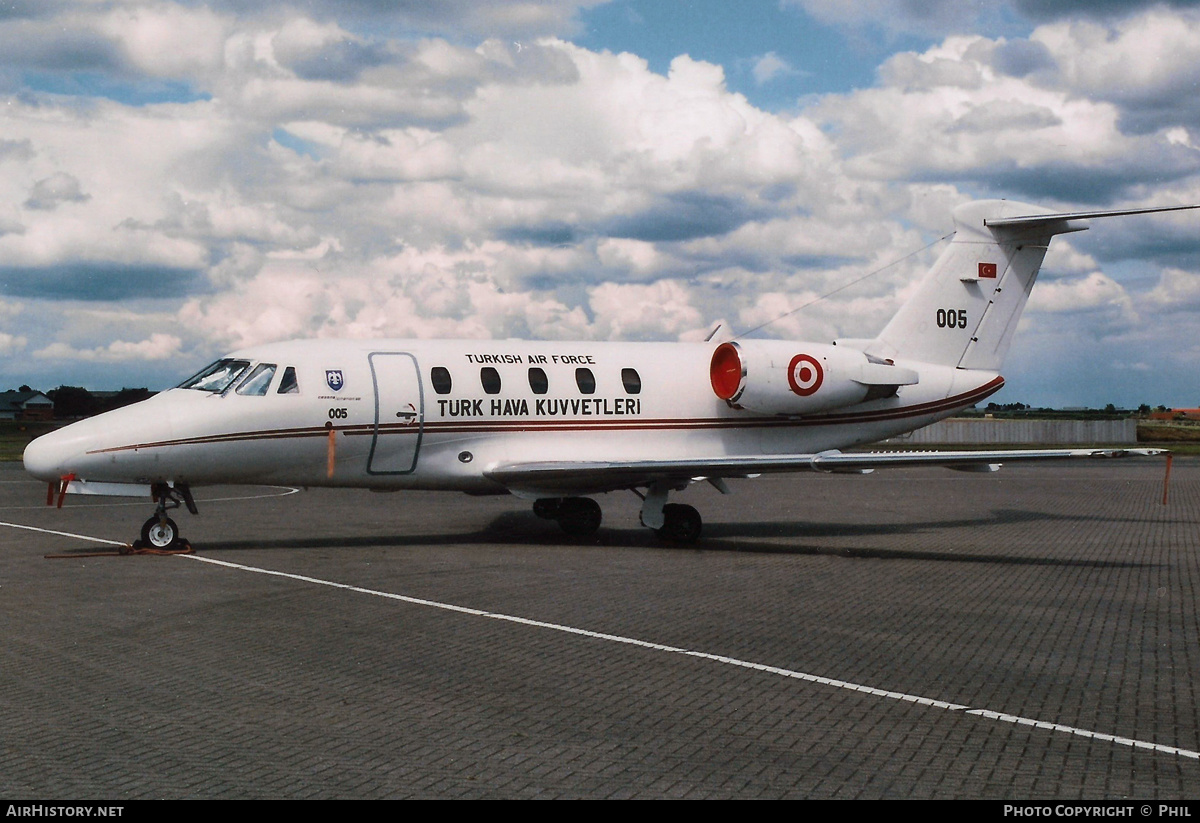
74,401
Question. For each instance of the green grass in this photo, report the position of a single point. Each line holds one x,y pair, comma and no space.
1180,439
15,436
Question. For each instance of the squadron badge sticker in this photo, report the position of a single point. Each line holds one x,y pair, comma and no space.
333,377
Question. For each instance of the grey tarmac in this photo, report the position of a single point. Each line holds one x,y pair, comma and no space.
1065,594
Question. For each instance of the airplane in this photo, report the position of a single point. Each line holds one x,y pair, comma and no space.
560,422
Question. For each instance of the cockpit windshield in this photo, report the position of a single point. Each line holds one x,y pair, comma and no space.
217,377
259,380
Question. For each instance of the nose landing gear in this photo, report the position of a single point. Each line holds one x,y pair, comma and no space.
160,533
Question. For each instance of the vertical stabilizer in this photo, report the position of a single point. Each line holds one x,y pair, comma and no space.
966,309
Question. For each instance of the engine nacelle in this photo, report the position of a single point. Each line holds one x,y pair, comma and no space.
781,377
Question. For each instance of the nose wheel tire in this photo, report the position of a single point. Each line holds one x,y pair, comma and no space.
160,533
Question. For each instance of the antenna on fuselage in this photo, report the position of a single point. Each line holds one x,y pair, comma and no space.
869,274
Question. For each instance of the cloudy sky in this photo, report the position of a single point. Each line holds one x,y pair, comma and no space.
179,178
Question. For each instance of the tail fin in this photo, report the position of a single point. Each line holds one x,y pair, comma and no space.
966,309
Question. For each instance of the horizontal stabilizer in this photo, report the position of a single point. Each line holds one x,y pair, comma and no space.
1038,219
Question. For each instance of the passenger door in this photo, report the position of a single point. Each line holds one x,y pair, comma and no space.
399,413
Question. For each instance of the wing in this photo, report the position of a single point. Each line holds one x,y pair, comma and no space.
555,478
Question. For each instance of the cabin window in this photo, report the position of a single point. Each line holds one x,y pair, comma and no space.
586,381
259,381
289,384
217,377
538,380
439,376
490,378
632,381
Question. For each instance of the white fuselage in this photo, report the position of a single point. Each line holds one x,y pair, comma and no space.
397,424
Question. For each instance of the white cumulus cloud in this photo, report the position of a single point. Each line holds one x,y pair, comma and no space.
156,347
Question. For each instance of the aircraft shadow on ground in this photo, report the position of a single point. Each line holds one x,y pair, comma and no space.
772,537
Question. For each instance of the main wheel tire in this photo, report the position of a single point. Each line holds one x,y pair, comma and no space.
160,533
547,507
579,516
681,524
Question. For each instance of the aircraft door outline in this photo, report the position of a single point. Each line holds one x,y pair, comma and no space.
399,413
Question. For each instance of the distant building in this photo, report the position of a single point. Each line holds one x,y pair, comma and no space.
25,405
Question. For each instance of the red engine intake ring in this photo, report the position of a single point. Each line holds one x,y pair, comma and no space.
727,372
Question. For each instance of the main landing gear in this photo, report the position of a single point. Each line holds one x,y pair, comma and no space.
160,532
580,516
672,522
681,524
577,516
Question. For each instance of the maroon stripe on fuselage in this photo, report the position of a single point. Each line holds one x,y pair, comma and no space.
491,425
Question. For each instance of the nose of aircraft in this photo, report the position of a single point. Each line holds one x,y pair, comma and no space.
49,456
98,448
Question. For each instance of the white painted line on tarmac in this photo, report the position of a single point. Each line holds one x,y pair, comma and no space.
280,491
1110,738
645,644
86,537
716,658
